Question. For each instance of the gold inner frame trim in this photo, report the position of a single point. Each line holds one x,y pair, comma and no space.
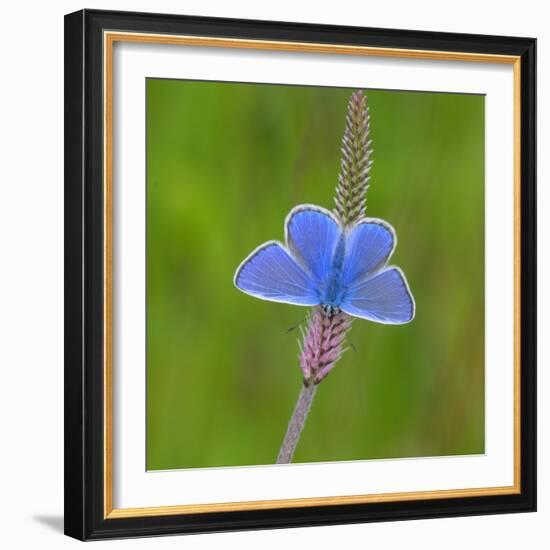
109,39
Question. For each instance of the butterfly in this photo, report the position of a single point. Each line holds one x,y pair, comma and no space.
324,264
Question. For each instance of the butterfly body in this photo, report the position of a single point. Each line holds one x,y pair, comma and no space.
325,264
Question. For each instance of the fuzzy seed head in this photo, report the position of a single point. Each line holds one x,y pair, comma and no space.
353,181
323,344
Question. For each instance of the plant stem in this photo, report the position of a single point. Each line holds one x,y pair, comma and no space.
324,338
296,424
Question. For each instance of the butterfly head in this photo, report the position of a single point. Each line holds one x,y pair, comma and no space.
330,310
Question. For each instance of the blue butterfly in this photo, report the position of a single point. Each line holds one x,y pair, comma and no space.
324,264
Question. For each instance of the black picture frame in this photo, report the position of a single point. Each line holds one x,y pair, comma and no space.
84,281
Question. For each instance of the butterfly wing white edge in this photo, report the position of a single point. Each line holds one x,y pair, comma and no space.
252,255
409,294
385,266
284,246
383,223
307,208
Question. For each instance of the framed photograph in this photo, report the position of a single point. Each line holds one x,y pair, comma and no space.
300,274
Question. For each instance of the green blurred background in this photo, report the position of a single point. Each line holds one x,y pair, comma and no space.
225,164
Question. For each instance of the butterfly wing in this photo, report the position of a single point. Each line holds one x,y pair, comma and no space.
312,234
270,273
369,246
384,298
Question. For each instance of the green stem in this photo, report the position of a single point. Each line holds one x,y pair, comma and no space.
296,424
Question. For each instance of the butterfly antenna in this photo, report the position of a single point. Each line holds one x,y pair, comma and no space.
295,326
